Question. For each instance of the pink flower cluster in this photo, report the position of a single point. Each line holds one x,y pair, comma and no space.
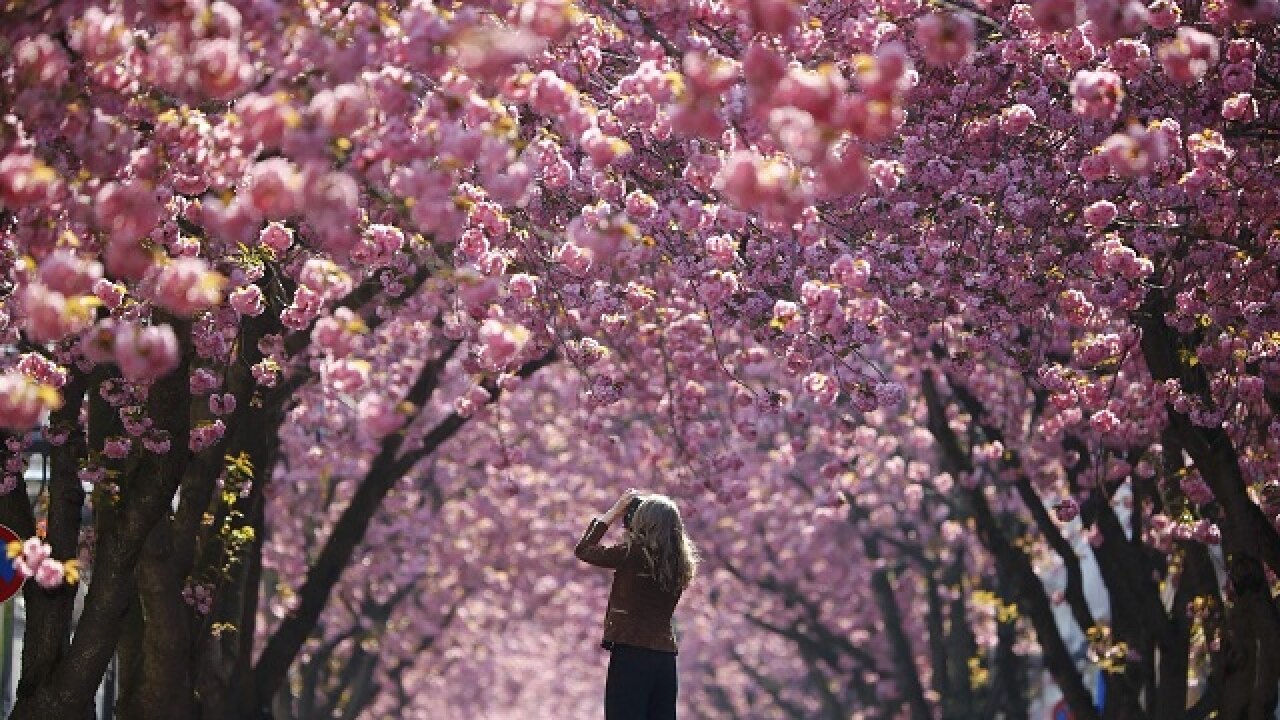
145,353
187,285
23,401
500,342
1097,94
1189,55
32,559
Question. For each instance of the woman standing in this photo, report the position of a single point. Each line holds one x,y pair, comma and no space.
652,566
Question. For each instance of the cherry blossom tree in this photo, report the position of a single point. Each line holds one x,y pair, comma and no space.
257,249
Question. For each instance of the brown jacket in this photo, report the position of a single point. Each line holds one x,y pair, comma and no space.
640,610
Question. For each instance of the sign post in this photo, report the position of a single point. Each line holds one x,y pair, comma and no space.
10,578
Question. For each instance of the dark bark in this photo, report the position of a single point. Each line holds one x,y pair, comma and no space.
906,674
1074,593
161,690
49,612
1251,534
146,495
1012,561
1251,638
254,697
1010,698
935,624
961,645
771,687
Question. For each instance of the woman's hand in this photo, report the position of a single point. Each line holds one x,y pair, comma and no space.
620,506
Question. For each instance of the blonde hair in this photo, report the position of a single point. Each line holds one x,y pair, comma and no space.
658,531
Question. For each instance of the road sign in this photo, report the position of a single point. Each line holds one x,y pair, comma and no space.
11,578
1061,712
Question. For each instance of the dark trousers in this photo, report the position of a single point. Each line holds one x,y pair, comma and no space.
641,685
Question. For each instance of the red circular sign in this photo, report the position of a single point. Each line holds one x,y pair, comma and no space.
11,578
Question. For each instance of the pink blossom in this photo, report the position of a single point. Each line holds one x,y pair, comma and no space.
846,174
1134,152
1189,55
274,188
824,388
341,110
1240,108
42,370
70,274
266,372
127,211
41,62
576,260
901,8
523,286
773,17
762,66
332,207
378,416
1055,15
276,238
811,93
186,286
1100,214
947,39
1209,149
205,435
51,316
117,447
1196,489
1067,510
128,259
549,95
1094,167
488,53
222,68
24,402
100,37
1097,94
26,180
887,174
548,18
49,574
852,273
111,294
146,353
1131,58
35,552
1104,422
203,381
603,149
1112,19
1163,14
1015,120
248,301
500,342
266,118
223,404
786,317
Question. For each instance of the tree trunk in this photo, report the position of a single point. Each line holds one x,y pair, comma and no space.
164,682
146,493
50,612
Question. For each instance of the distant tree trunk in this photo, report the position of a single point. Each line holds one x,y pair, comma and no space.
1012,561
